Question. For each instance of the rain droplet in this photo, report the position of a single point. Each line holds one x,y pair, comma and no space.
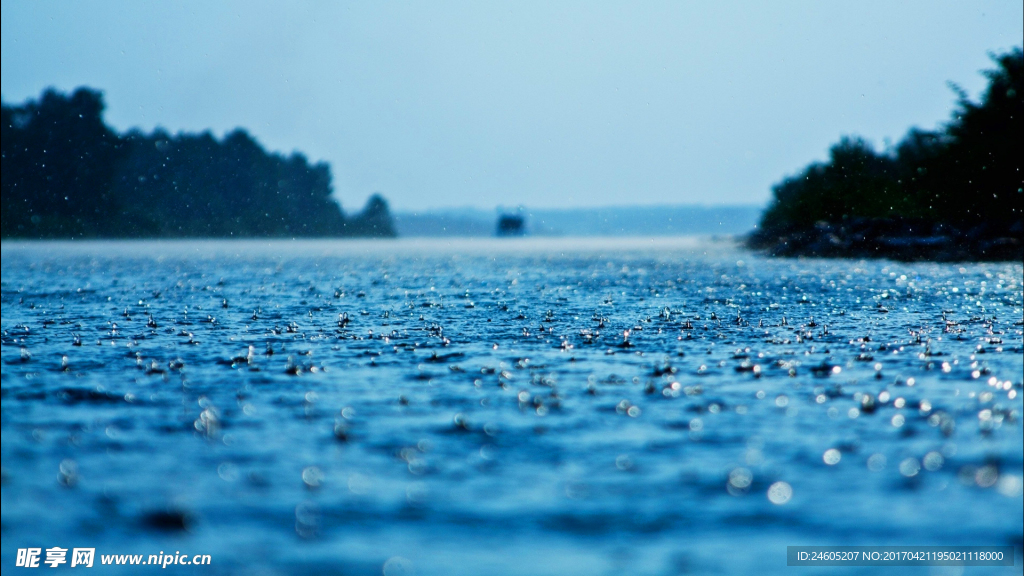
780,493
312,476
909,467
876,462
740,478
933,461
397,566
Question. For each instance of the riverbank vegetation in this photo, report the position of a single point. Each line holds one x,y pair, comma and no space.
956,193
66,174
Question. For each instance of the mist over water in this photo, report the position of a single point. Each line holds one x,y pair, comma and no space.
525,406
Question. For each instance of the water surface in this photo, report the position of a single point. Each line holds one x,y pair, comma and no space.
597,406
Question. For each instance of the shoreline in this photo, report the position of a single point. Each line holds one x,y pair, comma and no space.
905,240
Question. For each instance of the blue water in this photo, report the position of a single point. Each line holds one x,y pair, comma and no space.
599,406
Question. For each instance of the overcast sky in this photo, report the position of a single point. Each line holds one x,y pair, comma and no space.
547,104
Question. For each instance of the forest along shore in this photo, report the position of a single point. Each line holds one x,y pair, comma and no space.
67,174
904,239
952,194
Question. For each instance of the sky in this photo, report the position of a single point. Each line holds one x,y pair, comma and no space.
543,104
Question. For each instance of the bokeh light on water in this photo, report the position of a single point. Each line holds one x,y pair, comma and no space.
517,407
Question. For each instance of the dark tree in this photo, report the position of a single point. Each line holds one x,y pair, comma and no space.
966,179
374,220
855,181
66,174
974,174
58,160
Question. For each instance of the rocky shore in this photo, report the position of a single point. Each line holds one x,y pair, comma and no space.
905,239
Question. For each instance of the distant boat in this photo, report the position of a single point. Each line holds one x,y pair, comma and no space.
511,225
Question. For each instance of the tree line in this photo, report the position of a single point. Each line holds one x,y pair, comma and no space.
965,178
66,174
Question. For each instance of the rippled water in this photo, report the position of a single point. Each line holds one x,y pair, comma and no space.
503,407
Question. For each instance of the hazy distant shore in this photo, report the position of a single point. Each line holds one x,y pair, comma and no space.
666,220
